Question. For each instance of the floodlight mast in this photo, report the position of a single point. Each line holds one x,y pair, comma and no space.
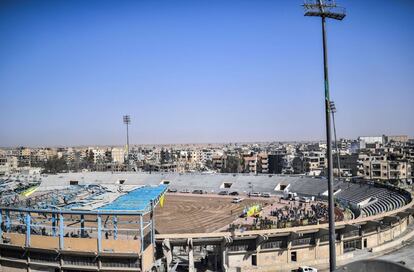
333,111
327,9
127,121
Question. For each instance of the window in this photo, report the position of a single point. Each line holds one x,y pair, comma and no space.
226,185
272,244
254,260
352,245
240,245
74,182
293,256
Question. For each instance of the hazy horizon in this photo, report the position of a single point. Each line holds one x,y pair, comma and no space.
200,72
191,143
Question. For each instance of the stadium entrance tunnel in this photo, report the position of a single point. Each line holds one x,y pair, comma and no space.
165,182
226,185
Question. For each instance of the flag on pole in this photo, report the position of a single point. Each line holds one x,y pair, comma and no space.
29,191
162,198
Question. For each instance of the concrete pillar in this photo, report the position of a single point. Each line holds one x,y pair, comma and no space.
223,250
99,264
167,251
378,235
400,225
216,254
317,242
341,248
288,250
190,249
224,258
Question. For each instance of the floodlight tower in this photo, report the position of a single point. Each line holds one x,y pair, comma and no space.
127,121
333,111
327,9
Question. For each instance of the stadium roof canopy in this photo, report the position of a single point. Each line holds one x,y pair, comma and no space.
137,200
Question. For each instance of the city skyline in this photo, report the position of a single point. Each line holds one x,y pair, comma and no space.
190,72
190,144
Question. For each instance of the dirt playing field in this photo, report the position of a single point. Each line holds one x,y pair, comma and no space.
188,213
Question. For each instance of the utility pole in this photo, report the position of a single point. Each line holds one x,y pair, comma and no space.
327,9
127,121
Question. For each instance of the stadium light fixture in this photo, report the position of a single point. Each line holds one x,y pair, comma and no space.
333,111
127,121
327,9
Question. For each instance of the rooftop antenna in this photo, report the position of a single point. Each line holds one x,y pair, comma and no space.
327,9
127,121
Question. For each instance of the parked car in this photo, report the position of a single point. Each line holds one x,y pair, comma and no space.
186,191
223,193
267,195
289,196
307,269
172,190
234,193
237,200
198,192
255,194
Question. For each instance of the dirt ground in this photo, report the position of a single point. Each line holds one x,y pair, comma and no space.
188,213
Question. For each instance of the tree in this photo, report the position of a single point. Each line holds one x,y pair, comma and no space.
233,165
55,165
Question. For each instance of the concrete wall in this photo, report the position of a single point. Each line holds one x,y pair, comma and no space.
312,255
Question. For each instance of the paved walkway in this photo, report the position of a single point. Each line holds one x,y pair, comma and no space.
404,254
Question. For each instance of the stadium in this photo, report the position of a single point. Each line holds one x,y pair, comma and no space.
160,222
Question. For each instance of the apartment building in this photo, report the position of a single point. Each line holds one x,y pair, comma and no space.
312,163
379,167
397,138
218,161
8,164
118,155
256,163
375,166
277,162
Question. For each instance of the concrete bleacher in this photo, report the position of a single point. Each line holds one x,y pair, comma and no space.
385,201
370,198
208,182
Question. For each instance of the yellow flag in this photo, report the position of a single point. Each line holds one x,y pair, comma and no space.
29,191
162,198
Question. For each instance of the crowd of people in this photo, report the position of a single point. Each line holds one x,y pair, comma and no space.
312,215
287,216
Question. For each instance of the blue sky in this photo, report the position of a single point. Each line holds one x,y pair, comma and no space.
200,71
